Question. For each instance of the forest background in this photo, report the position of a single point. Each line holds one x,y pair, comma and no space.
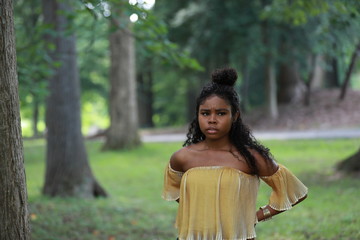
113,69
283,53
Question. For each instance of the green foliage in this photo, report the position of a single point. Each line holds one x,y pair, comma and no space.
32,60
151,34
184,41
164,90
135,209
92,30
322,23
295,12
296,30
327,27
93,52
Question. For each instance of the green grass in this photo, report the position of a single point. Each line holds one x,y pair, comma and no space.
135,210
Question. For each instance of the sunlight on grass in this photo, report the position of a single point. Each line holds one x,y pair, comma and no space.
135,210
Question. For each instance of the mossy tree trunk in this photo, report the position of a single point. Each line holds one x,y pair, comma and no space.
14,221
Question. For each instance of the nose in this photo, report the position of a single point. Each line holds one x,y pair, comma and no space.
212,119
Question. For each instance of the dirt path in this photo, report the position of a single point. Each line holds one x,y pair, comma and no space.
326,117
325,112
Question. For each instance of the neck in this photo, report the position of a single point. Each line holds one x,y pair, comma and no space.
223,144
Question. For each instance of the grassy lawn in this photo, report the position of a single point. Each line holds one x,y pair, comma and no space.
135,210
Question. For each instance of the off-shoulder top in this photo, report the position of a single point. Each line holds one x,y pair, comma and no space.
219,203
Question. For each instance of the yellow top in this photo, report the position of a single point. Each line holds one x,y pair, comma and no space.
219,203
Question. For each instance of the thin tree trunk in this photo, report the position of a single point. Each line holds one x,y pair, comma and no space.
270,79
150,97
245,104
349,71
14,216
333,74
141,99
123,130
334,65
35,117
193,87
145,96
272,107
310,79
191,95
68,171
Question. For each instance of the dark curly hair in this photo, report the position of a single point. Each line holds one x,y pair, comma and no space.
222,85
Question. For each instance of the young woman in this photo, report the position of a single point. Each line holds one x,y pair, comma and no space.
215,176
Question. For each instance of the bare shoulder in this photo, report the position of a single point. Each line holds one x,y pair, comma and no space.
178,159
267,167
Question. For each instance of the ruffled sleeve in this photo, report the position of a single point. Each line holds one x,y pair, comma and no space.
287,189
172,180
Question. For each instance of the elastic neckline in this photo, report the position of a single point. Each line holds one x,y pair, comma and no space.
221,167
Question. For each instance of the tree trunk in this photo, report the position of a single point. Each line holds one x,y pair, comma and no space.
310,79
193,87
270,79
291,88
271,86
67,168
123,130
317,77
244,90
349,71
35,116
350,164
14,221
145,96
332,75
191,95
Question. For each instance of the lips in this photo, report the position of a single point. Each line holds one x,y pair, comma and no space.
212,130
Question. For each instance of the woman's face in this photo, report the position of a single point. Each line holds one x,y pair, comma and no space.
215,118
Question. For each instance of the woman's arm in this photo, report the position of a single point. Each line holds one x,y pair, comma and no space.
269,212
268,168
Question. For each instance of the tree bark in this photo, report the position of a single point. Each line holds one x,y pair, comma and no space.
332,75
68,171
271,87
145,96
14,216
291,88
318,75
35,116
269,74
310,79
350,164
123,130
349,71
244,89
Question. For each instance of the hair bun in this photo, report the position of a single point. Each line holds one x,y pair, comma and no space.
224,76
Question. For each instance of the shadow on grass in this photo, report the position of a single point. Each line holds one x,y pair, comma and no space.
69,219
